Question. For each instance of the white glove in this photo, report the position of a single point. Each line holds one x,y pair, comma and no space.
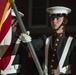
25,37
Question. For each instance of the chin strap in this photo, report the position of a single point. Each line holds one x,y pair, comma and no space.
58,27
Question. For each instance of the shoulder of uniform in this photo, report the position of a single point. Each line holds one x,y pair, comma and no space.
44,37
73,41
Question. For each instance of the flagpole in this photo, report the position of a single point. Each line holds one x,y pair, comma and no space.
23,29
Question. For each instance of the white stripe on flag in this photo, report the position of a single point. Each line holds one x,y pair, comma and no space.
7,14
7,39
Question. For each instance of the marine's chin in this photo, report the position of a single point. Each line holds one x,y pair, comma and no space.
54,28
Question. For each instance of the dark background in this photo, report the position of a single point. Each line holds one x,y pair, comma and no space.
36,19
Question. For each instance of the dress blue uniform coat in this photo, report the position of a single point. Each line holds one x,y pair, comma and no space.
56,47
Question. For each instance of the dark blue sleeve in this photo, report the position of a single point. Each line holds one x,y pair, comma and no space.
39,43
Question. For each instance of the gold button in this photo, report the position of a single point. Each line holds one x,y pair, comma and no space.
56,44
52,60
60,34
54,49
53,54
57,39
51,66
29,54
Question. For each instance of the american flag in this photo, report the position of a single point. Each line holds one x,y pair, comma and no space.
5,33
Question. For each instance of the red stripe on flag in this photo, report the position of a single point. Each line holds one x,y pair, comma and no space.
4,61
2,7
5,27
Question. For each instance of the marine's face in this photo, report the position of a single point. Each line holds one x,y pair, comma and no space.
14,25
56,22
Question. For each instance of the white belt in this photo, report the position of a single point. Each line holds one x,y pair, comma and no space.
11,70
53,71
57,72
8,72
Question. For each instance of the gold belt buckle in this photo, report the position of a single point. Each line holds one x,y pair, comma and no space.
54,71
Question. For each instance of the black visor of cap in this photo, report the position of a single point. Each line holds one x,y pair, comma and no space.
14,21
13,17
56,15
